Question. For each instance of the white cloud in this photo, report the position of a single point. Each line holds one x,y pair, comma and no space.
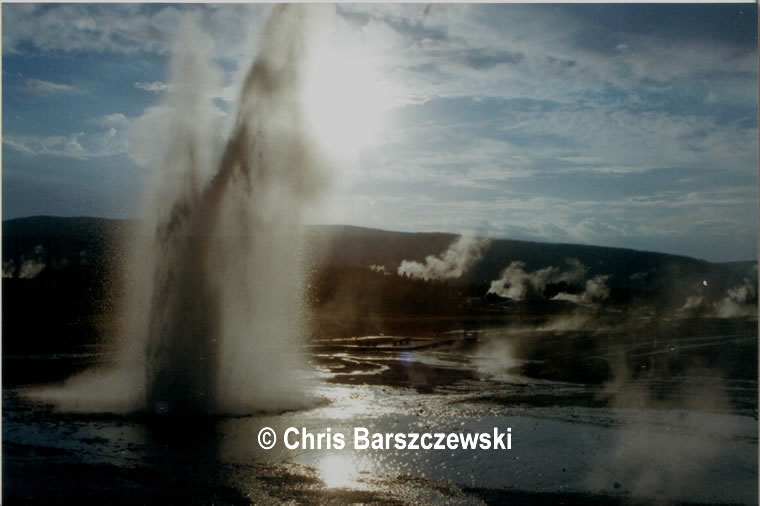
80,27
108,138
571,140
123,28
440,52
67,146
154,86
39,86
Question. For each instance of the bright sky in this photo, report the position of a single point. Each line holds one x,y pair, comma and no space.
619,125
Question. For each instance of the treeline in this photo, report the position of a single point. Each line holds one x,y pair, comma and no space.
366,291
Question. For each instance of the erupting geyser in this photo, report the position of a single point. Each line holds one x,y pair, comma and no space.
214,315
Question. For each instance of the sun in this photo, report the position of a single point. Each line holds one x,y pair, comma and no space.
345,99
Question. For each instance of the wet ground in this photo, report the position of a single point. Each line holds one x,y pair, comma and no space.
665,417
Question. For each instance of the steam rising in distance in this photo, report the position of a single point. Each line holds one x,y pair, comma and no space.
460,256
517,284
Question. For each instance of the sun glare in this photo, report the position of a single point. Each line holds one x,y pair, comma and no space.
345,98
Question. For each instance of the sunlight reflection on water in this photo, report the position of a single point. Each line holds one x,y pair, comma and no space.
343,470
348,402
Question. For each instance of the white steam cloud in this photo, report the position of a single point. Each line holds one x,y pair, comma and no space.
461,255
596,291
378,268
9,268
738,302
642,462
494,358
693,303
30,269
517,284
31,264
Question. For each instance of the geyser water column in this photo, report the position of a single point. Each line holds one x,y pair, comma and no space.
226,315
214,314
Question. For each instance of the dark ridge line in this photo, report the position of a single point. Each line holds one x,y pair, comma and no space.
361,229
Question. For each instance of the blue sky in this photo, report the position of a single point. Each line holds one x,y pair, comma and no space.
620,125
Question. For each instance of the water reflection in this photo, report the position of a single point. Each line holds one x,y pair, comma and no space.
344,470
349,402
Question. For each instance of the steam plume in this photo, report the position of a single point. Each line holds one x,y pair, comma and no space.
739,301
452,263
693,302
9,268
30,268
31,264
596,291
516,283
647,464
